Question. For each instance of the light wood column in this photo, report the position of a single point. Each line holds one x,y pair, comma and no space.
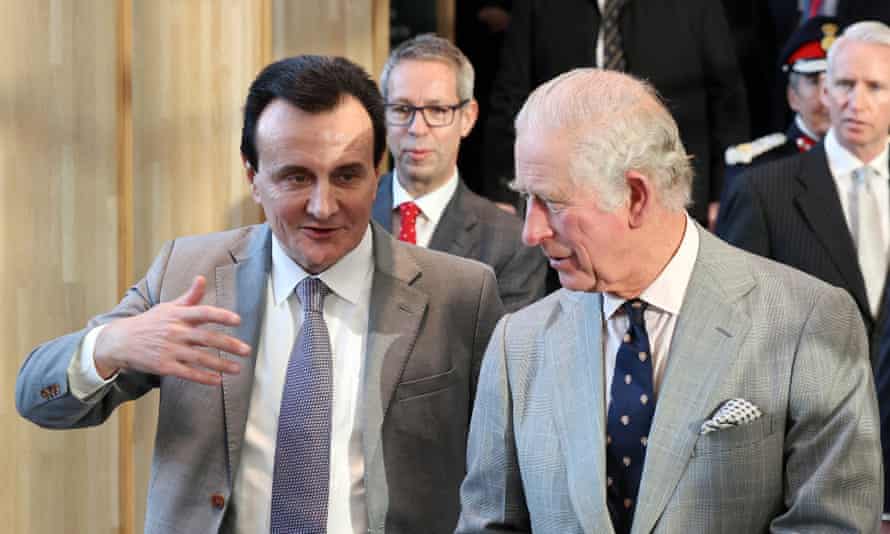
356,30
192,64
59,251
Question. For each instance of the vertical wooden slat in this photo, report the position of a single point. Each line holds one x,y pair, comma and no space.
126,468
445,12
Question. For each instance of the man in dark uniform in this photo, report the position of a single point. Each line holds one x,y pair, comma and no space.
803,61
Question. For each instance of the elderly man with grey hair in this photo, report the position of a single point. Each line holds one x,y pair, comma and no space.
427,83
676,384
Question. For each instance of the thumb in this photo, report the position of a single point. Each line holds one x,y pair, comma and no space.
194,293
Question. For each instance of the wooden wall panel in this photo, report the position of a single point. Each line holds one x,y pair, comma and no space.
354,29
192,64
119,129
58,253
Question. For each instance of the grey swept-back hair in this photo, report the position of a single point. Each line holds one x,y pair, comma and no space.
429,47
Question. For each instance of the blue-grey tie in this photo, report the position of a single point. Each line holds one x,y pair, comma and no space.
301,478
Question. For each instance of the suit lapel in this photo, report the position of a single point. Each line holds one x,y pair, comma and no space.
382,210
456,232
396,311
707,337
573,347
821,208
240,286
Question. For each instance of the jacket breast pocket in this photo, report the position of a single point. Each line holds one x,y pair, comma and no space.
736,437
427,385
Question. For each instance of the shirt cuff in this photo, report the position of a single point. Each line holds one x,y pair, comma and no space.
885,517
83,378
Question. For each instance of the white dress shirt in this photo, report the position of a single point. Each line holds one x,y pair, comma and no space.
346,314
842,164
665,298
431,205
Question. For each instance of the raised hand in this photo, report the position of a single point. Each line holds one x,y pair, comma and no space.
169,340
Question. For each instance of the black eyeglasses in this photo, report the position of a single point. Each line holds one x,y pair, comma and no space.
435,116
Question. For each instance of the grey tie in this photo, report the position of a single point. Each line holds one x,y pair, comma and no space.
301,478
613,51
865,224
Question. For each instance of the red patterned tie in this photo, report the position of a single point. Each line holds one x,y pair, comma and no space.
408,212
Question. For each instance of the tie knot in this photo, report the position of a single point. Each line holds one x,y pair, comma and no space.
634,309
409,210
312,292
861,175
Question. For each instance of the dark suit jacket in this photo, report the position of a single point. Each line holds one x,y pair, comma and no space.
788,148
429,322
473,227
683,47
789,210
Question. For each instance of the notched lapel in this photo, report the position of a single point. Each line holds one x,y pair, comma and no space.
457,231
573,346
382,209
241,287
821,208
709,332
395,316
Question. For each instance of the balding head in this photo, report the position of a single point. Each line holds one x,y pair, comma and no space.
617,124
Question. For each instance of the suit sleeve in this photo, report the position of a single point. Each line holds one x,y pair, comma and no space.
42,391
523,279
492,498
726,97
511,87
833,472
742,220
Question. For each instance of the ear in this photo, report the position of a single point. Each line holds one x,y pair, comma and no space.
823,93
640,199
250,173
468,115
793,100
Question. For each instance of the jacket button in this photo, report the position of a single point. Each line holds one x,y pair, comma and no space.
218,501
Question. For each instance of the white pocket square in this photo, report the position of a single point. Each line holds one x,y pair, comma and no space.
733,412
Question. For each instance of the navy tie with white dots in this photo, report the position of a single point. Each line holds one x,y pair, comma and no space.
629,419
301,479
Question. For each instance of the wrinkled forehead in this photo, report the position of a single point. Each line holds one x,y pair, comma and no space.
543,155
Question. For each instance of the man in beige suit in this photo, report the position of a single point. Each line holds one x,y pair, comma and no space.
676,384
315,374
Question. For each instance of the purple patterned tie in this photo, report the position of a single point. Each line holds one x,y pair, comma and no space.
302,453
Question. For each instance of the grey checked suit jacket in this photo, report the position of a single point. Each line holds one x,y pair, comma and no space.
430,319
748,328
473,227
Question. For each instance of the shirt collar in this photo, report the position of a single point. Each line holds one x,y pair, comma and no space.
801,125
432,204
666,292
842,162
341,278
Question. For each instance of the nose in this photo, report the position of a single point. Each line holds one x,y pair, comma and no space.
322,202
418,125
858,96
536,227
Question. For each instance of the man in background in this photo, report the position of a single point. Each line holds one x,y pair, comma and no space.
683,47
826,211
428,87
803,62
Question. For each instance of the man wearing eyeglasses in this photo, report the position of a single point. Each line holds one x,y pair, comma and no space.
428,87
